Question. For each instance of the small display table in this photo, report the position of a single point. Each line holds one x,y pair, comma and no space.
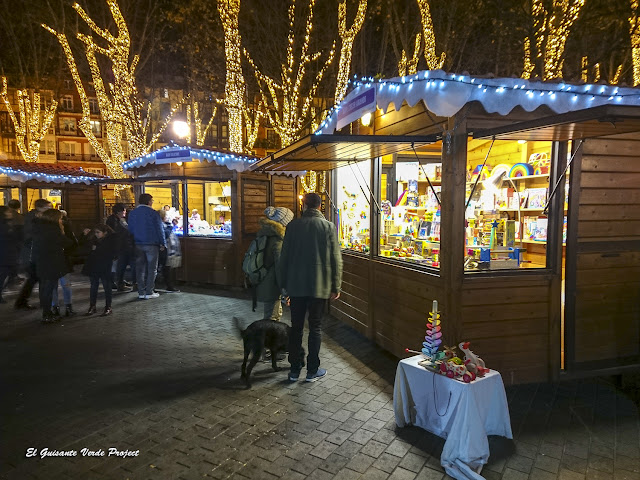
462,413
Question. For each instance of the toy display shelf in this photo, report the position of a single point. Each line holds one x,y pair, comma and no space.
526,177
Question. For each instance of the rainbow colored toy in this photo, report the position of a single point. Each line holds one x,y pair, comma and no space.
521,170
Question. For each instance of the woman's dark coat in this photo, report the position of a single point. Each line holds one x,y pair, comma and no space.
100,259
48,251
10,243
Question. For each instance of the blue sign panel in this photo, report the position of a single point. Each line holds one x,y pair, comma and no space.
169,156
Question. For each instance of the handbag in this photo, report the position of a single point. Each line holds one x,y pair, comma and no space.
174,261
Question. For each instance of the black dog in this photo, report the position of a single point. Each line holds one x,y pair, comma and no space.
262,334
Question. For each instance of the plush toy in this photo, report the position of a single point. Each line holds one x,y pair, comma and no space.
473,362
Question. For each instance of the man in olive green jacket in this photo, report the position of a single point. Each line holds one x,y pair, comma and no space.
310,270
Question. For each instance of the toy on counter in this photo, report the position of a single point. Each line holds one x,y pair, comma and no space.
455,368
473,362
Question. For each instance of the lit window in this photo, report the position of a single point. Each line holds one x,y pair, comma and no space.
353,206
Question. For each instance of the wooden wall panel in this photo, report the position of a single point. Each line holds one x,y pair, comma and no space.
255,198
508,321
402,299
353,305
82,206
606,282
284,192
207,260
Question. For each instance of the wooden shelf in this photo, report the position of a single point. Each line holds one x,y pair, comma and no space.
528,177
435,183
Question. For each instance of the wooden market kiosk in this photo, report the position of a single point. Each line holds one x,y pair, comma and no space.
228,201
543,284
68,188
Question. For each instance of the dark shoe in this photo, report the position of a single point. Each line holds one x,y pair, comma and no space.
134,287
293,376
24,306
172,290
122,288
114,286
47,317
55,311
68,312
91,311
312,377
107,312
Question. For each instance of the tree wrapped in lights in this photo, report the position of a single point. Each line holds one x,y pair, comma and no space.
634,31
347,37
125,116
551,28
291,109
235,87
410,67
433,62
30,128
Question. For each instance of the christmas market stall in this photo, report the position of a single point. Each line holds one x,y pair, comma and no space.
513,203
215,204
67,188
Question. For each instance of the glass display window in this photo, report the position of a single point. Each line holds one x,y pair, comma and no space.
209,209
505,222
352,203
167,195
410,213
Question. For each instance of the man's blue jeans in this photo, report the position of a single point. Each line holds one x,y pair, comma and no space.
146,268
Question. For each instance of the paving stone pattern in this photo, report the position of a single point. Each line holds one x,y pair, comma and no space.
162,377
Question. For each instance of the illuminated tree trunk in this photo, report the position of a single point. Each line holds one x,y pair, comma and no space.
347,36
433,62
410,67
234,89
635,41
31,127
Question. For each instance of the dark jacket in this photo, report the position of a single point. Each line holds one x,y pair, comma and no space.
268,289
310,261
120,227
10,244
101,255
146,227
70,250
48,251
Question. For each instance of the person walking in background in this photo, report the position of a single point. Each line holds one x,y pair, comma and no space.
171,257
9,246
64,281
124,244
148,235
17,222
310,272
268,290
31,227
49,242
98,266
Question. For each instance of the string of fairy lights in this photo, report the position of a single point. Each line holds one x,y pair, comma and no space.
347,35
230,160
290,107
30,128
544,92
410,67
23,175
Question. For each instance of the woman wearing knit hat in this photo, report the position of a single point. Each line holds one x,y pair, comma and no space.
268,290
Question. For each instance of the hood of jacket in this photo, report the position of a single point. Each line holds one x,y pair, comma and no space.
270,228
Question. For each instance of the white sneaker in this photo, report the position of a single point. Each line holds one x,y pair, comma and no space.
142,297
153,295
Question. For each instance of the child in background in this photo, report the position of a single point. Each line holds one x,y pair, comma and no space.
98,266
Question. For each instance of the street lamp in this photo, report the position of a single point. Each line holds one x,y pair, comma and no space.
181,128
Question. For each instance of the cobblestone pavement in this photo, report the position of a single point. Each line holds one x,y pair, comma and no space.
161,377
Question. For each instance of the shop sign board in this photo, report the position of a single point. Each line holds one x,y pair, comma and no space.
356,107
171,156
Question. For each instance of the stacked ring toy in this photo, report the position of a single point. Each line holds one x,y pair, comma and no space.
521,170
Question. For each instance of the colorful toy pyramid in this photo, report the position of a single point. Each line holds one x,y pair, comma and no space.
433,338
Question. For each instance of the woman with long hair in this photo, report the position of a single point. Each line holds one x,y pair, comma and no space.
49,242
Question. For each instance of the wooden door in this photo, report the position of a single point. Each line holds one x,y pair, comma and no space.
602,315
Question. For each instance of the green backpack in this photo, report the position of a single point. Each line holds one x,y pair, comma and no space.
253,263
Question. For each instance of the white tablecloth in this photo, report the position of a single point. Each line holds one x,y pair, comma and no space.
463,413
